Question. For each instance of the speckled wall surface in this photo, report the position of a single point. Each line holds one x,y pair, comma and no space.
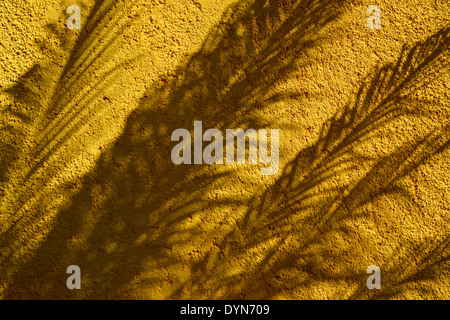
86,176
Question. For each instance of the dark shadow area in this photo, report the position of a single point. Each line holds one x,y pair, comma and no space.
50,106
55,101
310,216
136,209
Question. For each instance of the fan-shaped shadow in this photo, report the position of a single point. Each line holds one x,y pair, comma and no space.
310,230
51,106
138,220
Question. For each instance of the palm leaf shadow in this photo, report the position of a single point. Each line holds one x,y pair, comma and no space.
132,212
53,103
287,228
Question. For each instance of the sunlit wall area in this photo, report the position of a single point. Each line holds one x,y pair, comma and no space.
347,101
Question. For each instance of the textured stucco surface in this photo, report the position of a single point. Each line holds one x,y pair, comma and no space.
86,176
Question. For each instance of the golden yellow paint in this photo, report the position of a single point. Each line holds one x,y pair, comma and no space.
86,176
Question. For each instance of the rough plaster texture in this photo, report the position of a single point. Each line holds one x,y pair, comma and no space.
85,171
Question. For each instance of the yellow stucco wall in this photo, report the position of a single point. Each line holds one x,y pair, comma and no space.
86,176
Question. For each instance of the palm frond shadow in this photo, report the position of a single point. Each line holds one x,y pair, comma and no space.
136,209
51,104
37,102
301,231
